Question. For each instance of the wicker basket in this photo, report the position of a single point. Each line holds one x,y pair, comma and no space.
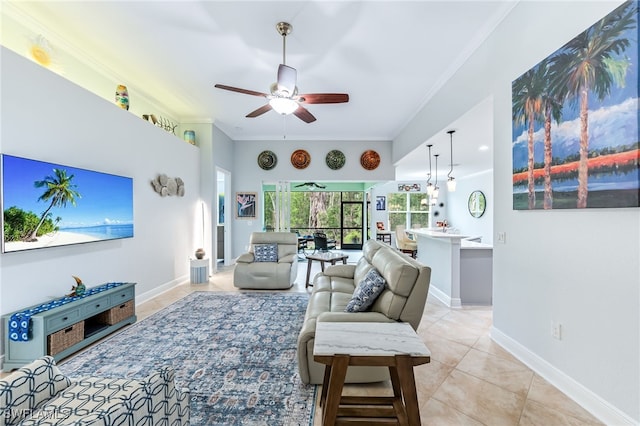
117,313
65,338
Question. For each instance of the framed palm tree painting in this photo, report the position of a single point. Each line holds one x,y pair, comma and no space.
575,121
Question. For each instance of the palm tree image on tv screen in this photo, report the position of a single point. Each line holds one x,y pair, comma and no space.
575,121
48,205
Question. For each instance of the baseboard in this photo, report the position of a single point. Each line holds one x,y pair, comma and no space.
444,298
148,295
605,412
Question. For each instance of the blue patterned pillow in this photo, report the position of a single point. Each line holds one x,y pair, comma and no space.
366,292
265,252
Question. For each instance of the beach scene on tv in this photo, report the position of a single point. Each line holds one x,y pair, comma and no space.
48,205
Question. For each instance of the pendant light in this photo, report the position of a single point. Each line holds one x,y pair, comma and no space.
451,183
436,190
429,184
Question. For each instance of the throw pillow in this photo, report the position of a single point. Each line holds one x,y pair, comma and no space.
265,252
366,292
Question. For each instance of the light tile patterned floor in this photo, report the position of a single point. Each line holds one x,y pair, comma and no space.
469,381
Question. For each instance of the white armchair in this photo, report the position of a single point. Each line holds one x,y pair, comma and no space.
271,263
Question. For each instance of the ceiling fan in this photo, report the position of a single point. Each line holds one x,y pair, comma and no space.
310,185
283,97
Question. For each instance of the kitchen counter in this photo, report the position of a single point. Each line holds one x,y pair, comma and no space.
461,267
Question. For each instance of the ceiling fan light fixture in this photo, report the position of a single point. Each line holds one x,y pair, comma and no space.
283,106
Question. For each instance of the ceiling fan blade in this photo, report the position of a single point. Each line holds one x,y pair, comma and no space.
303,114
259,111
324,98
245,91
287,77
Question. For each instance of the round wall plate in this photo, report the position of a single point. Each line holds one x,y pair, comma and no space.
370,159
335,159
267,160
300,159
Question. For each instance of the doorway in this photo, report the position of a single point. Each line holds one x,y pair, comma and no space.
222,237
351,221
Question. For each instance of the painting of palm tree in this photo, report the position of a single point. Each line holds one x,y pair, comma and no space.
48,205
60,190
575,121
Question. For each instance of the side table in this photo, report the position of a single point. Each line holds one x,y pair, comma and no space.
394,345
323,257
199,271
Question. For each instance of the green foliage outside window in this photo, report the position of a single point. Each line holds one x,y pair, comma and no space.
410,209
315,210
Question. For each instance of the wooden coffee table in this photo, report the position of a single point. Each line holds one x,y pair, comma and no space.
330,257
394,345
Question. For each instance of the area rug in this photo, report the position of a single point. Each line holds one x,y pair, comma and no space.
236,352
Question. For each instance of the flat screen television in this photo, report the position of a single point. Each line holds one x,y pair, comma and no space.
48,205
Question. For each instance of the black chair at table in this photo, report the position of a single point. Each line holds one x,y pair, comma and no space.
322,243
302,242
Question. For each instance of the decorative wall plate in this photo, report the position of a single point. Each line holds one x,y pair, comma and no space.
370,159
300,159
335,159
267,160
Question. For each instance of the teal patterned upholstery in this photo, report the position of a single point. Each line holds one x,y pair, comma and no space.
92,400
23,391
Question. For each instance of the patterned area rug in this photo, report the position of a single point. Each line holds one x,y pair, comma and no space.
236,352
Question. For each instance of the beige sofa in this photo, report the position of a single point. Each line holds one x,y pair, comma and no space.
403,299
280,274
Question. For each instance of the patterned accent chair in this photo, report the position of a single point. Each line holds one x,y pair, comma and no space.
39,394
271,263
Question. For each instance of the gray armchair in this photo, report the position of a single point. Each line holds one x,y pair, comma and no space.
271,263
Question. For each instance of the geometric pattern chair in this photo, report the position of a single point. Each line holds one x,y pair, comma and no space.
39,394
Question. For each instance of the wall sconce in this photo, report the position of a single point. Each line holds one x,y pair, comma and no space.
451,183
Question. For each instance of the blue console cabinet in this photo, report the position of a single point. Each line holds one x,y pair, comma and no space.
96,316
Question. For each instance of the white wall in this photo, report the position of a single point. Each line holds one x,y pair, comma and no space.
46,117
458,212
248,177
577,267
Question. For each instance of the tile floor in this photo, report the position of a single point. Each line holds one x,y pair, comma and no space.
469,381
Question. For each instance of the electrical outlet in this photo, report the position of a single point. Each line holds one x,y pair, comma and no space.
502,237
556,330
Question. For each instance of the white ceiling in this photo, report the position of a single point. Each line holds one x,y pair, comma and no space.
389,56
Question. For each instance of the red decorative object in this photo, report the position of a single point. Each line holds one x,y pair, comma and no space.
300,159
370,160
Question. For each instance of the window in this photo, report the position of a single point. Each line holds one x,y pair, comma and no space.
410,209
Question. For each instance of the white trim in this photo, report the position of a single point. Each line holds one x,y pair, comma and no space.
591,402
145,297
444,298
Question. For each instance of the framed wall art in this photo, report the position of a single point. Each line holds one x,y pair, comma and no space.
575,121
246,205
381,202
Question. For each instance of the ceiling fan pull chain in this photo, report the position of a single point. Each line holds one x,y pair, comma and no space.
284,127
